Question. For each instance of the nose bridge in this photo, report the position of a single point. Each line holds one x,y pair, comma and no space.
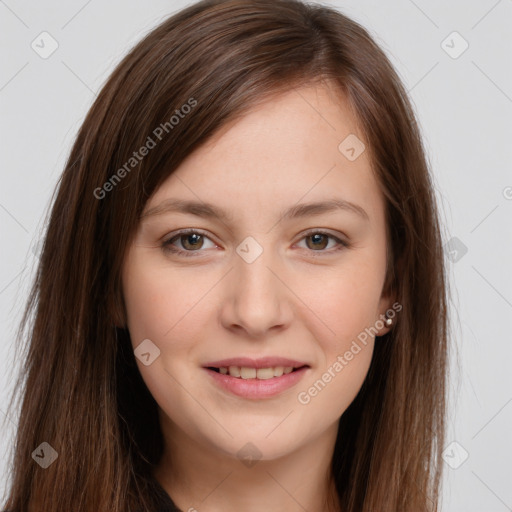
258,296
256,283
255,277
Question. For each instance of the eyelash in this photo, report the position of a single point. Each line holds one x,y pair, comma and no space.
166,244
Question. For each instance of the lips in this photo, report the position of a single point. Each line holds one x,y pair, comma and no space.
256,379
247,362
262,387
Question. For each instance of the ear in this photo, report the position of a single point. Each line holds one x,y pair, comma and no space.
388,308
388,303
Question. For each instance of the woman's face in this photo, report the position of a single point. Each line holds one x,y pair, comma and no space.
271,277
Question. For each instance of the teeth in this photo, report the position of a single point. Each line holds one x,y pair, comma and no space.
246,373
265,373
278,371
253,373
234,371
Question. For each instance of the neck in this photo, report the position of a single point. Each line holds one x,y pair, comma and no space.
198,476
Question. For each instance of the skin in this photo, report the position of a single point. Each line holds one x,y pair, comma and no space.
297,299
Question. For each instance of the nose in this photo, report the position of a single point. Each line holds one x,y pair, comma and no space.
256,300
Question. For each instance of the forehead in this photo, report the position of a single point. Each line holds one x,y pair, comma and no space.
289,149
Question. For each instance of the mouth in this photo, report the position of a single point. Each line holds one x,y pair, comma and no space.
247,372
256,379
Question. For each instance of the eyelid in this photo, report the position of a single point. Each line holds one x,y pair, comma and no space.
342,244
323,231
166,245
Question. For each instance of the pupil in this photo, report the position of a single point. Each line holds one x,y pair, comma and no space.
317,239
193,236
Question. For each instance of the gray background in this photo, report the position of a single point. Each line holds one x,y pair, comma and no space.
464,105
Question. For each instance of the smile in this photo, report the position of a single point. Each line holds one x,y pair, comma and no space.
252,383
246,372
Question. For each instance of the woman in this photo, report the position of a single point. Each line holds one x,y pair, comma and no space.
192,344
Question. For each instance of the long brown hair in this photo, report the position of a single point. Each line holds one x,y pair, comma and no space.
80,388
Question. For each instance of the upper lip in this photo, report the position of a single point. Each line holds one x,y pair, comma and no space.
248,362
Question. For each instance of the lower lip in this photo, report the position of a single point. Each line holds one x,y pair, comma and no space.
257,388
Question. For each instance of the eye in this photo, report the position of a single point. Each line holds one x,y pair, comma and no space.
192,240
319,240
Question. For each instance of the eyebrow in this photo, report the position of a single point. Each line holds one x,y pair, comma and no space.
207,210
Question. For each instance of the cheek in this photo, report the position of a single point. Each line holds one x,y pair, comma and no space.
347,308
145,306
346,303
334,387
157,301
162,307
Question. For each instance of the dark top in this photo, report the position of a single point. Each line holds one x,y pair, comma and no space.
165,503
